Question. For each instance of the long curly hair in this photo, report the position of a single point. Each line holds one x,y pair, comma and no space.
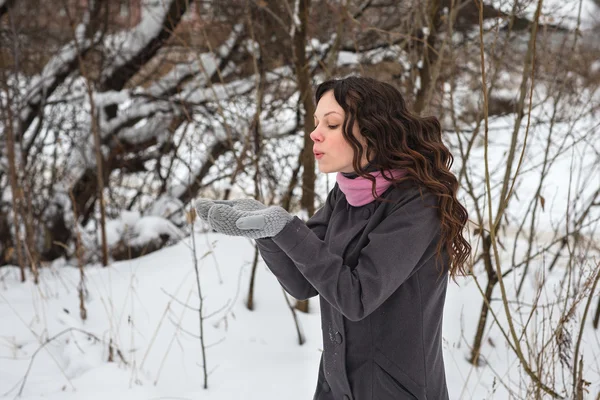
399,139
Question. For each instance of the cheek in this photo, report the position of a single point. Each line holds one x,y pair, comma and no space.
339,144
344,153
348,152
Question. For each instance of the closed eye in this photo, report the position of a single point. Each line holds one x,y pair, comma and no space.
333,126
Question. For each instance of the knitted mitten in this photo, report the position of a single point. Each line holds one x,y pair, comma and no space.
202,206
243,204
256,224
242,217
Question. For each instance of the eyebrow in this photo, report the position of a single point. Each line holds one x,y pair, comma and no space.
326,114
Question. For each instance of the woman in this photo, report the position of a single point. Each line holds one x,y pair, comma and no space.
379,252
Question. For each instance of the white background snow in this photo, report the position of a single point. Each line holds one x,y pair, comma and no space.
144,307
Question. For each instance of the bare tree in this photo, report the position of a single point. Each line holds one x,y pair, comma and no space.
100,118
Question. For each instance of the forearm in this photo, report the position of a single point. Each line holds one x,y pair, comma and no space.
285,270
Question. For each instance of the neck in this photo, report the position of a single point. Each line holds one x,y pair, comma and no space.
353,174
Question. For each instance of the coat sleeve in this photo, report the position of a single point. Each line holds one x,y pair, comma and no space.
397,247
280,263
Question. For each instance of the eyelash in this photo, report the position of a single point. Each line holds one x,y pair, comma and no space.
329,126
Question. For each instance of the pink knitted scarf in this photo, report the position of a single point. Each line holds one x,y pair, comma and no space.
358,190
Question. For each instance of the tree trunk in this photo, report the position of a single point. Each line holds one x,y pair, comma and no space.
597,315
14,185
475,352
250,299
428,58
307,202
489,290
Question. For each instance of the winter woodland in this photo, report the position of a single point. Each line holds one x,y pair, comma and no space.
116,114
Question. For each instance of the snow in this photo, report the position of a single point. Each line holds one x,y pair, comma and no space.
57,65
572,141
203,66
128,43
255,353
147,128
295,19
218,92
348,58
151,227
557,12
130,303
138,230
165,206
139,305
103,99
134,106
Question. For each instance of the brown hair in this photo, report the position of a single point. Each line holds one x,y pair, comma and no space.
399,139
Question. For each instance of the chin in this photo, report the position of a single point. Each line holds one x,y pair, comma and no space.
325,170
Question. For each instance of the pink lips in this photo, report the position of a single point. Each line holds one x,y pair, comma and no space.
318,154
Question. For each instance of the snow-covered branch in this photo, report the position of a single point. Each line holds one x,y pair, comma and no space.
54,73
156,98
128,51
201,69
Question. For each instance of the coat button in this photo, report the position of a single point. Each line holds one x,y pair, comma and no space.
326,387
338,338
366,213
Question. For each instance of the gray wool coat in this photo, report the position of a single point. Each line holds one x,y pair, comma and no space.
382,296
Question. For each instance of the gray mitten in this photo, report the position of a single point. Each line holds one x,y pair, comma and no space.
262,223
243,204
202,206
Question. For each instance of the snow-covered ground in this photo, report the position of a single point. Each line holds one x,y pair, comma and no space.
145,309
139,306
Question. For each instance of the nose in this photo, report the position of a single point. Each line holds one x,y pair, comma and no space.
316,135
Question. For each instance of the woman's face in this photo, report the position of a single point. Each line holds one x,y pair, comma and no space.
330,148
